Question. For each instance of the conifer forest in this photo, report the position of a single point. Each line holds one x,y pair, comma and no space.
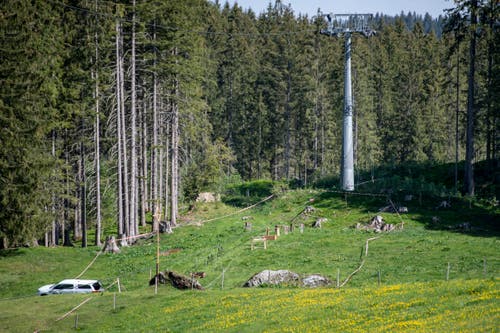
114,111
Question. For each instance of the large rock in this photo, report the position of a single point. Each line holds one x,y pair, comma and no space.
315,280
208,197
273,278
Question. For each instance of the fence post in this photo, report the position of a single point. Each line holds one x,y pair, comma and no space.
448,272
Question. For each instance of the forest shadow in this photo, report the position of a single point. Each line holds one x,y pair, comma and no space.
7,253
460,217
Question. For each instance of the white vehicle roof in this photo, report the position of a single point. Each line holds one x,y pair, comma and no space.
77,281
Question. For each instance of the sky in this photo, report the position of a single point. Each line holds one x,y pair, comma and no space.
389,7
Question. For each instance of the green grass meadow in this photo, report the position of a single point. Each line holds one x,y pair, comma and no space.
427,277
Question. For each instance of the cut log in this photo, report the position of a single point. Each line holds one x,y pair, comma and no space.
376,224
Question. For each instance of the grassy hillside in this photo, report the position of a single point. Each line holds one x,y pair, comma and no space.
401,287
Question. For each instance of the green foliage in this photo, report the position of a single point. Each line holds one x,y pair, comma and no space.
30,84
247,193
327,182
257,97
412,263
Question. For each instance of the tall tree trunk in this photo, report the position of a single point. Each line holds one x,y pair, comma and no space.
133,133
77,223
175,155
469,151
288,121
119,199
51,240
166,199
160,161
83,195
97,139
457,112
155,148
490,112
143,188
66,205
123,139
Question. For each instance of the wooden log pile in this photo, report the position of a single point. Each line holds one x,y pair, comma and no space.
177,280
376,224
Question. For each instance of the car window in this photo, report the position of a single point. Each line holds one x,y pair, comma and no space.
97,286
84,286
63,286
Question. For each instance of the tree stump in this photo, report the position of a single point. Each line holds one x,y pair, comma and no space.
123,240
248,226
286,229
111,246
165,227
317,223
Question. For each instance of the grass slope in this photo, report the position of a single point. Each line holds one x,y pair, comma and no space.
412,265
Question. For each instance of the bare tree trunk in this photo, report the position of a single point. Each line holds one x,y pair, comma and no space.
490,111
288,122
77,223
167,143
51,242
175,155
154,151
97,139
83,196
123,138
160,151
66,204
457,111
119,199
133,132
469,151
143,188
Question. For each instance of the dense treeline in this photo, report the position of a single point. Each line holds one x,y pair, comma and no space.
113,109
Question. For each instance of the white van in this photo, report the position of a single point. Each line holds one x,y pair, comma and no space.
72,286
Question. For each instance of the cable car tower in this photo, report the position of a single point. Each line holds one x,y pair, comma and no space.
344,25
